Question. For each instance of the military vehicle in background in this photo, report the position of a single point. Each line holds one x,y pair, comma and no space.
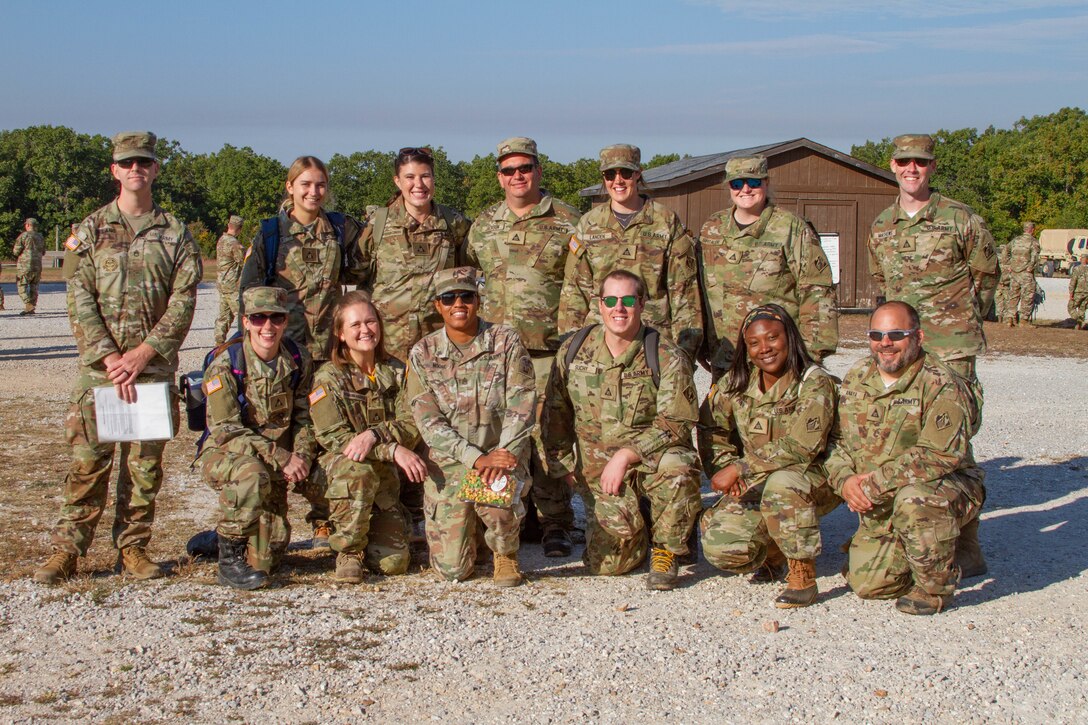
1059,249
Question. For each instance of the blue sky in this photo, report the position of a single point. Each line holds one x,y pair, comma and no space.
695,76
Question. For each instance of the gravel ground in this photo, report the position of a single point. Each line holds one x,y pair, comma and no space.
565,646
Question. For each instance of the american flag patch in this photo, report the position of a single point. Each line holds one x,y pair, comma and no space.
318,394
213,386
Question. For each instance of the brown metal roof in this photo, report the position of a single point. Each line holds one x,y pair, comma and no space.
697,167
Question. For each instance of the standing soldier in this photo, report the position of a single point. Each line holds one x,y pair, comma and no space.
642,236
1078,294
1001,295
757,253
520,244
29,249
132,272
1023,255
229,255
627,398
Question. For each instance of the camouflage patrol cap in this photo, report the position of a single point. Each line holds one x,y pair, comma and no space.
31,221
1029,226
235,220
746,167
458,278
913,146
264,299
621,156
134,145
517,145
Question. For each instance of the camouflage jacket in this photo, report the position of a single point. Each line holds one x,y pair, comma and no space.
1003,265
916,431
523,261
655,246
276,422
127,287
28,250
309,267
398,270
604,404
1078,283
229,255
776,259
1023,254
785,428
943,263
469,402
345,402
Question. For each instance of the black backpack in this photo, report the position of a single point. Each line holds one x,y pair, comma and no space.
270,234
650,340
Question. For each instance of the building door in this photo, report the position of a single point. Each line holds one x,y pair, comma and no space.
840,219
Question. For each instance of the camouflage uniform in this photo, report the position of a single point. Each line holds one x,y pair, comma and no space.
245,454
398,270
364,496
782,437
916,436
1078,293
29,249
229,255
603,404
523,259
1023,252
125,287
1001,295
776,259
467,402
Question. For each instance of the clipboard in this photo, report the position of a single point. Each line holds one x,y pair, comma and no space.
148,419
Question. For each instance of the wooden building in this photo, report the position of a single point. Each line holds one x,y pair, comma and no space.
839,194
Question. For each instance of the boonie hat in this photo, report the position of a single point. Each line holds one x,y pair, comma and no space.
913,146
517,145
458,278
746,167
621,156
264,299
134,145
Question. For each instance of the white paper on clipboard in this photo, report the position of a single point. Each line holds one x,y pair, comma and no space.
148,419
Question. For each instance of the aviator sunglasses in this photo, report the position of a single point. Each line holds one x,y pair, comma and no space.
893,335
610,174
738,184
259,318
448,298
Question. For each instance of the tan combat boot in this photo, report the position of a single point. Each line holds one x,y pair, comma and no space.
136,564
349,568
800,585
60,567
321,537
507,573
918,601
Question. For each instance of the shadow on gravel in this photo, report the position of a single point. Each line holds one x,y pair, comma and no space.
56,352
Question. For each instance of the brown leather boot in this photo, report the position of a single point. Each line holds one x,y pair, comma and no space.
61,566
507,573
321,537
664,570
919,602
349,568
800,585
136,564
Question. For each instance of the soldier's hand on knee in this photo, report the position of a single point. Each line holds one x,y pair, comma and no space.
616,469
727,481
297,469
855,497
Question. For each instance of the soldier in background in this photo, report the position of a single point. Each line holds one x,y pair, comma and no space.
1023,255
1078,294
642,236
28,250
521,245
132,272
756,253
1001,295
632,426
229,255
903,462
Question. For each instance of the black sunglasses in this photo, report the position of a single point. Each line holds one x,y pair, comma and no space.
524,169
610,174
893,335
448,298
129,163
738,184
416,151
259,318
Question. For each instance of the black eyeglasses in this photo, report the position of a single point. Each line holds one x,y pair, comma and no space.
893,335
448,298
627,300
259,318
416,151
738,184
524,169
610,174
129,163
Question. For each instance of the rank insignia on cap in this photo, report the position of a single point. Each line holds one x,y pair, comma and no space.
213,386
72,244
318,395
576,247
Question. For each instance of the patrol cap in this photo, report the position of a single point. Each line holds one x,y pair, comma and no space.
913,146
31,221
458,278
621,156
746,167
264,299
235,220
1028,226
517,145
134,145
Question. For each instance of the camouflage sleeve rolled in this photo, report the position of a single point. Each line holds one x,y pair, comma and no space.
982,258
170,330
226,428
519,416
434,427
577,292
717,432
817,305
807,436
401,430
304,444
92,336
685,302
676,406
557,419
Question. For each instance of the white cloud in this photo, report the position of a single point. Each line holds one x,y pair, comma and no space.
900,8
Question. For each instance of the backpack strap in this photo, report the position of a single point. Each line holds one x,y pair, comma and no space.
270,234
651,339
576,344
379,218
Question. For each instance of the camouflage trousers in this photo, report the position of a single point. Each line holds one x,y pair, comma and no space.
139,475
228,311
786,509
616,534
1076,309
912,538
27,284
550,495
452,526
1021,295
366,513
